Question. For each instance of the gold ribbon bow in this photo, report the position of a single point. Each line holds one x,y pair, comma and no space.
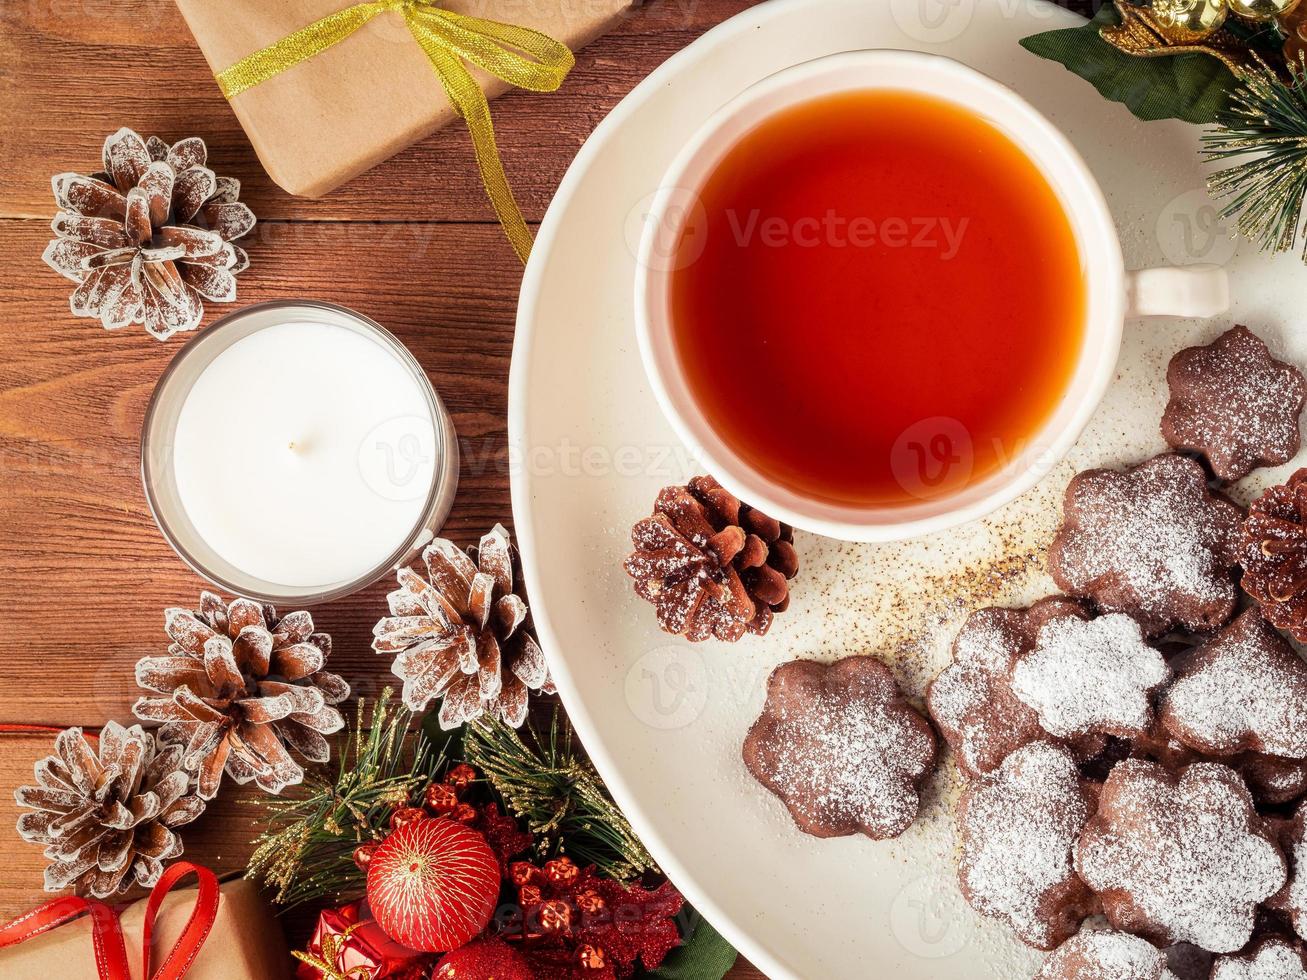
522,57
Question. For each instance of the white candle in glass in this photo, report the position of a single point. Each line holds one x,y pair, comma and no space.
299,454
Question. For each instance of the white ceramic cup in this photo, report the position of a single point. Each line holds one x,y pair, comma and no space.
1112,293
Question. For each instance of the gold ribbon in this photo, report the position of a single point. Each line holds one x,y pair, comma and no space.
522,57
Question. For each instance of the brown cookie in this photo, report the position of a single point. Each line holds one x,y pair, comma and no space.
1017,827
1105,954
1088,676
1244,690
972,701
1152,541
1292,899
841,747
1235,404
1273,958
1273,781
1180,857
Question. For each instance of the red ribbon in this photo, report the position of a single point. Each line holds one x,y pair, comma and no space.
107,934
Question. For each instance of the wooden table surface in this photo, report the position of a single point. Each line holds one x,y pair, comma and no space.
84,573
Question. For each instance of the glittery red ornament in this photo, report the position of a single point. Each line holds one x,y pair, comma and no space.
405,815
522,873
440,798
485,959
562,871
591,957
363,854
555,915
433,884
465,813
530,896
590,901
461,776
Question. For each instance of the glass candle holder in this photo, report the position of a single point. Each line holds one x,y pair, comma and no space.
295,451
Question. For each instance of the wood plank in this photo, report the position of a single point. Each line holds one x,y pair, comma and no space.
84,573
134,63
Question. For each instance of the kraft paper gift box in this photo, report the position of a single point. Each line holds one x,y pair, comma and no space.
245,943
344,110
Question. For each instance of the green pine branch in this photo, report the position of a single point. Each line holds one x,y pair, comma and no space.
1262,133
306,854
547,782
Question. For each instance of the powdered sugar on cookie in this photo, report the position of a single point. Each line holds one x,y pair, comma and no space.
1106,955
1018,826
1274,959
1152,541
1091,676
1244,690
841,747
1179,858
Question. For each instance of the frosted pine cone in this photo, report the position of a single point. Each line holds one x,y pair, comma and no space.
242,685
712,566
149,238
107,817
463,636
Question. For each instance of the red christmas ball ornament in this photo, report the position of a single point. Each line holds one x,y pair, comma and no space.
405,815
433,884
461,776
363,854
440,798
485,959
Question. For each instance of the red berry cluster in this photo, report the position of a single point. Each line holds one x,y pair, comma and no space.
575,923
450,798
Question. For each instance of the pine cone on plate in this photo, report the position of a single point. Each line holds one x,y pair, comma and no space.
240,686
462,634
1274,554
149,238
107,816
713,566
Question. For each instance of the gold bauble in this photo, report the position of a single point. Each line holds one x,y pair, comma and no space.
1190,20
1260,9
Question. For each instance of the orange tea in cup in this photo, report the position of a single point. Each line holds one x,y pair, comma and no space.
881,301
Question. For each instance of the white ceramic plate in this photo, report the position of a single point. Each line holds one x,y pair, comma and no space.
663,719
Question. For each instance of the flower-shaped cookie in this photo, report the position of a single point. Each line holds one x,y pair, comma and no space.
1091,675
1271,959
1018,826
1292,899
841,748
1152,541
1244,690
972,700
1180,857
1105,955
1235,404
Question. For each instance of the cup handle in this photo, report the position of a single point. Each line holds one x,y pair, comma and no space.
1185,291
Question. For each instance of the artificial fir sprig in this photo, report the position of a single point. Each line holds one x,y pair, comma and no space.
306,853
556,792
1264,128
